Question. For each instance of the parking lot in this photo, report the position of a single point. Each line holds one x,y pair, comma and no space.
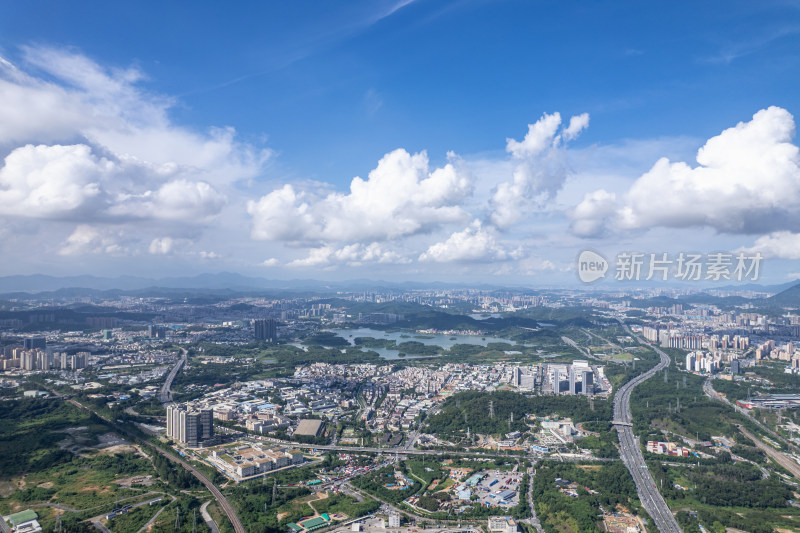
499,489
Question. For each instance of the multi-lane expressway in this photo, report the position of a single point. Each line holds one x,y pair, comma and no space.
165,395
631,451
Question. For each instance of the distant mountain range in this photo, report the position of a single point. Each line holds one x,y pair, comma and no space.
787,298
228,284
223,281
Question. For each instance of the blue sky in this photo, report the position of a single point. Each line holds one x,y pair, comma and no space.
155,139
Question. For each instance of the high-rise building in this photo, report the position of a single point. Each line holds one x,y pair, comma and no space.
690,362
556,381
572,380
527,382
44,360
35,343
78,361
587,382
29,360
188,425
736,366
156,332
265,329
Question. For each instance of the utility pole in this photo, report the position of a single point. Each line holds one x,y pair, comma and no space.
491,409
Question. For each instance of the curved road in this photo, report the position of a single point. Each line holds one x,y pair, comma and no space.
221,499
631,451
207,518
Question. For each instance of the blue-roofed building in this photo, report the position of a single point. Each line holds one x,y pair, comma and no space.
506,495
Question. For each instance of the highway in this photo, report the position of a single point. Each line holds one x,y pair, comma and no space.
631,451
165,395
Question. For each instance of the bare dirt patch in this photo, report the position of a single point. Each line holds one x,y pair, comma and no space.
6,489
122,448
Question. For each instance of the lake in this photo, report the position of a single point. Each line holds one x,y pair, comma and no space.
443,341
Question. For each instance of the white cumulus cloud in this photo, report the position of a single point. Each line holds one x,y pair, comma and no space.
52,181
474,244
86,239
779,245
88,144
540,168
162,246
352,254
577,124
590,217
747,181
402,196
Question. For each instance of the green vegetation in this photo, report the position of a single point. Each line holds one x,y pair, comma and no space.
183,510
51,458
558,512
133,520
417,348
250,506
284,358
370,342
655,406
751,453
347,505
719,494
777,382
326,339
722,485
30,430
376,483
602,444
471,408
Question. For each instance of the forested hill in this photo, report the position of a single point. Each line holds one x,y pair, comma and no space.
471,409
